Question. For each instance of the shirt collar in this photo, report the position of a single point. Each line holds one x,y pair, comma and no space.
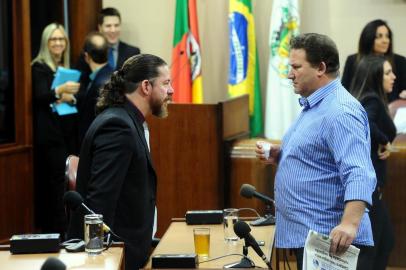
319,94
115,46
94,73
138,113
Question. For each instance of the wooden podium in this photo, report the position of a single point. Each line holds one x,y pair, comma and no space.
190,151
394,192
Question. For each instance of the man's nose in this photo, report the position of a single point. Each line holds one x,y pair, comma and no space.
170,90
290,75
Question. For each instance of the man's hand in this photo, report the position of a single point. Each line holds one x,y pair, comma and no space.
345,232
402,94
273,153
68,88
341,238
384,151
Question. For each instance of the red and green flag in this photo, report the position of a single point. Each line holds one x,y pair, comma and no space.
186,58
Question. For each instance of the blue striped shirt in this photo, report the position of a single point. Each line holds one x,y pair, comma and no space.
324,161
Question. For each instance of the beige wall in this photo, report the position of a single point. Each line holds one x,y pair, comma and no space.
149,25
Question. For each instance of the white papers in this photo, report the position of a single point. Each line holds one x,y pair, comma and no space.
400,120
316,254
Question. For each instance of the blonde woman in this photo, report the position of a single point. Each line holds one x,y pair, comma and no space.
54,135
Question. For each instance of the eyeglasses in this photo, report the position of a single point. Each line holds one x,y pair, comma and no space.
55,39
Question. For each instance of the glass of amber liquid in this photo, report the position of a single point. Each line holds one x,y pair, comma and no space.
202,242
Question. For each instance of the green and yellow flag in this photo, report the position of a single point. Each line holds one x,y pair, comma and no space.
244,67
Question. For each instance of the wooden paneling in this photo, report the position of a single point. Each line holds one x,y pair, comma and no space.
394,196
247,169
16,198
22,72
82,20
394,192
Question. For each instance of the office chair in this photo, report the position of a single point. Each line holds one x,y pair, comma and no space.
71,168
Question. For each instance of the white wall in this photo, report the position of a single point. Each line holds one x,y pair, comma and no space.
149,25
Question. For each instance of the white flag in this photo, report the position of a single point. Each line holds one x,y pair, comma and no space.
282,106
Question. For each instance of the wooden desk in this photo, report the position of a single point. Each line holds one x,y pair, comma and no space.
179,239
112,259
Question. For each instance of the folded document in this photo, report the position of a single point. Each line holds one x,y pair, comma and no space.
316,254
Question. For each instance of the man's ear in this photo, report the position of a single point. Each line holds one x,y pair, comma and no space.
146,87
99,27
322,68
87,58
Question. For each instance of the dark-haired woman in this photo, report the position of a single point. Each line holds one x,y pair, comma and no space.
373,80
377,39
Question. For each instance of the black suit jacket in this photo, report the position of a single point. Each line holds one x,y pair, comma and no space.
87,99
50,129
116,178
399,69
383,130
125,51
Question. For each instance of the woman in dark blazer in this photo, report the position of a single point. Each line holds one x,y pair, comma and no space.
373,79
54,135
377,39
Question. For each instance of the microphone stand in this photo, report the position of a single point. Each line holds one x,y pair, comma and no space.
245,261
268,219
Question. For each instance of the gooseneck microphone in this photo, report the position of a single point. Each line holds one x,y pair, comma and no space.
242,230
53,263
249,191
74,200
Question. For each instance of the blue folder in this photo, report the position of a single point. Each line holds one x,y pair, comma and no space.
62,76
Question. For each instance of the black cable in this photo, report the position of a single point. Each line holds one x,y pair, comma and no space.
250,209
228,255
285,260
109,242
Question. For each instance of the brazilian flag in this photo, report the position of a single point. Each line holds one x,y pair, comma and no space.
244,68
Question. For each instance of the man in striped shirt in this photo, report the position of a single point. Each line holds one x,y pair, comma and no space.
325,178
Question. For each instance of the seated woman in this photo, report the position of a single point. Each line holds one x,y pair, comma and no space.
54,135
373,79
377,39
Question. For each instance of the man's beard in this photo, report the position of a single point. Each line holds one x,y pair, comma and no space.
160,108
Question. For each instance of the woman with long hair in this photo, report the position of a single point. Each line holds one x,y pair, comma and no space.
377,39
54,135
373,80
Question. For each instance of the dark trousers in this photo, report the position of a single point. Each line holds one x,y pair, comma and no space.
364,262
384,237
49,188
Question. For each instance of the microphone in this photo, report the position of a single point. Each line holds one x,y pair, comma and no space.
53,263
74,200
242,230
249,191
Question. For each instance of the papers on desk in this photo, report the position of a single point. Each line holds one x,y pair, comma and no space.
400,120
316,254
62,76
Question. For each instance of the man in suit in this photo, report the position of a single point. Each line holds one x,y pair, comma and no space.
95,52
116,177
109,23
